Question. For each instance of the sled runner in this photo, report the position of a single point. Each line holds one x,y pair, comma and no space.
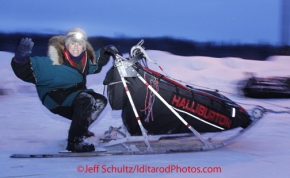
162,116
160,144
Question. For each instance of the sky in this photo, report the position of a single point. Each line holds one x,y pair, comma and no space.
222,21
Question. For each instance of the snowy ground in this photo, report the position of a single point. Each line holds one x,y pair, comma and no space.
263,151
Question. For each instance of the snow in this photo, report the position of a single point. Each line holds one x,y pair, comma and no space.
263,151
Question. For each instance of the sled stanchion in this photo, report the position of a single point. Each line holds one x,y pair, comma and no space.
206,143
144,133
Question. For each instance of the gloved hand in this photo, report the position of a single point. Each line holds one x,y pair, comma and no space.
23,50
104,57
112,50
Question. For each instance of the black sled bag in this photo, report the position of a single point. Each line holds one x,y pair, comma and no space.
205,111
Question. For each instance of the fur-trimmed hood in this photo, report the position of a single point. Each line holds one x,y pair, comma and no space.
56,45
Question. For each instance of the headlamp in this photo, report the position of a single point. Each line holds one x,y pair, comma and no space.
76,36
79,36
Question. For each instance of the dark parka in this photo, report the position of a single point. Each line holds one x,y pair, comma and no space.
56,79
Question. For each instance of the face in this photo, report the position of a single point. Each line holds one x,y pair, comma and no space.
75,48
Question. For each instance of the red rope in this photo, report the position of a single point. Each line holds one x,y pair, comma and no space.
150,97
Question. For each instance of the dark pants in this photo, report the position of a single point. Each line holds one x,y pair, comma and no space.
86,109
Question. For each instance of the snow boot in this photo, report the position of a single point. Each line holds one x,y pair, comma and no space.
79,144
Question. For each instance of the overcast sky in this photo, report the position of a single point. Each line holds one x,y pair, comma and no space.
234,21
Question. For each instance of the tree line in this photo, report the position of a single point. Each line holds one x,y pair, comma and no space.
182,47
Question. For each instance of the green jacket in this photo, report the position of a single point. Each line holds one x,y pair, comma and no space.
58,85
